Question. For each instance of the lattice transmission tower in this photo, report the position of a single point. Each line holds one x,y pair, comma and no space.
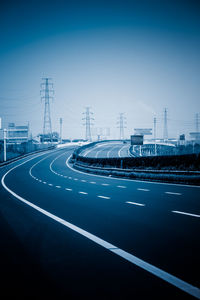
88,123
122,123
47,93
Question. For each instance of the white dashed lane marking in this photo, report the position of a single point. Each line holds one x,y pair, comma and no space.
84,193
175,281
144,190
105,184
104,197
135,203
172,193
185,213
121,186
67,189
58,186
92,182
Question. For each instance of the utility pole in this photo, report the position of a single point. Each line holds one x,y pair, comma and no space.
4,143
88,123
47,92
121,122
4,140
61,130
165,131
154,134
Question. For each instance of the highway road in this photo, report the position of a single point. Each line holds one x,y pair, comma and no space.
65,233
106,150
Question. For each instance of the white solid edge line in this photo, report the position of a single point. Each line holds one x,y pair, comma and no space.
97,153
135,203
108,152
132,180
119,152
30,170
51,164
90,150
173,280
186,287
104,144
185,213
93,148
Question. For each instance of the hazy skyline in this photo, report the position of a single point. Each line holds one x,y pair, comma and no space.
136,57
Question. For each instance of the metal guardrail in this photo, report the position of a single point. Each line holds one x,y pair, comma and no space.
24,156
156,168
189,178
151,171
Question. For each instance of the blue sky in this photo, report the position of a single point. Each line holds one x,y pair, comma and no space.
135,57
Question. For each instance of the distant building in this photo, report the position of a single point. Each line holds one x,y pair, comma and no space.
195,136
49,138
17,134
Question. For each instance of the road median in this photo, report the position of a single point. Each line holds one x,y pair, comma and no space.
182,177
184,169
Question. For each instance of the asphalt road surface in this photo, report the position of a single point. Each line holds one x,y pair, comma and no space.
72,235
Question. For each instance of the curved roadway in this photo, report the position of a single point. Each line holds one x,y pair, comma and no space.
66,233
107,150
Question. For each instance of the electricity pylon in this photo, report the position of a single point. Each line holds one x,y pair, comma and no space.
88,123
46,94
121,122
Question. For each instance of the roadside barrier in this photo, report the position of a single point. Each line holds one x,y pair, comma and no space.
173,168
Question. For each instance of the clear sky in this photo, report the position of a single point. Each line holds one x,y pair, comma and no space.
135,57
